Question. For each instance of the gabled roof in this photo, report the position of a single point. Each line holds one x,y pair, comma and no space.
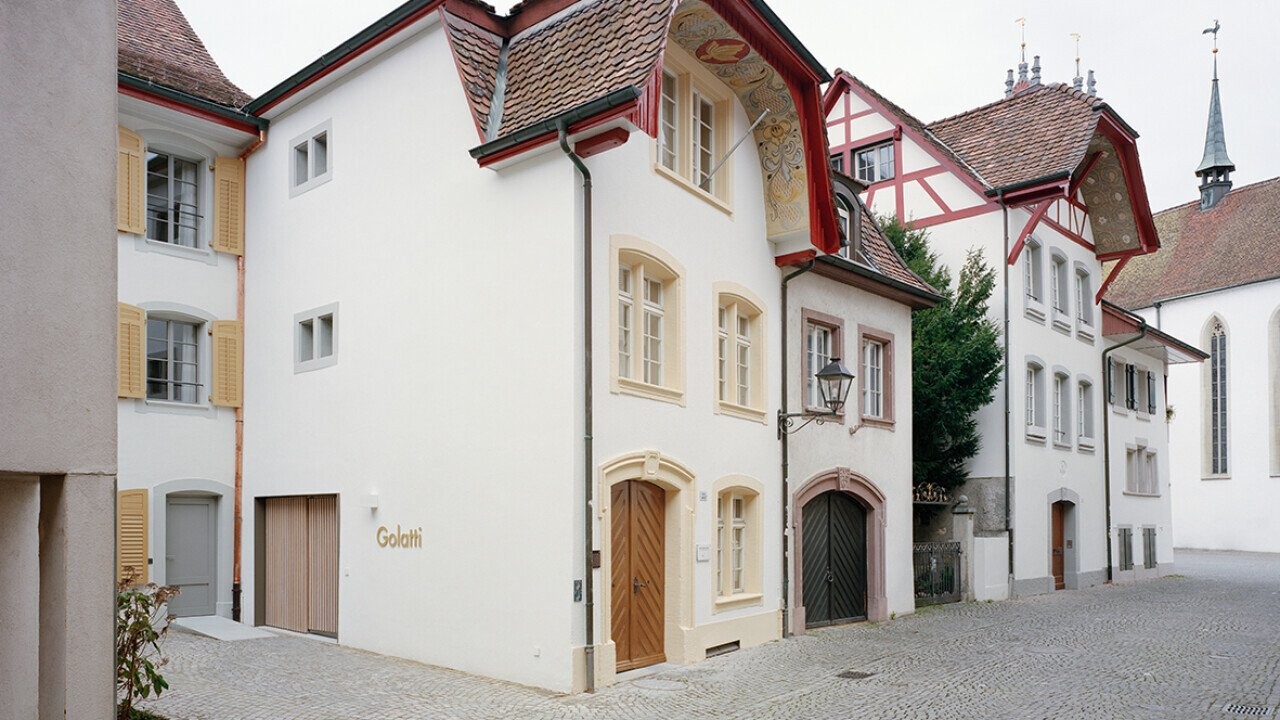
157,44
1230,244
592,49
1039,133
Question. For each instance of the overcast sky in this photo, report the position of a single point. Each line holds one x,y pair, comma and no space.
933,57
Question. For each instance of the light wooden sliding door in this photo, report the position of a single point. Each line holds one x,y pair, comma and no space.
301,573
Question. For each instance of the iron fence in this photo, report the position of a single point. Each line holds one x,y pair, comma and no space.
937,573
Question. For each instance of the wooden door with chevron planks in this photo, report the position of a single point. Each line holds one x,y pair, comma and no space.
638,546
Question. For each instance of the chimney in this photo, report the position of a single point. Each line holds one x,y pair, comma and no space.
1093,85
1035,71
1008,84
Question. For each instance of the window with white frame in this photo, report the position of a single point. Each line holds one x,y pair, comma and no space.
315,338
875,376
1058,284
874,163
1142,475
736,542
1151,393
311,161
1218,399
739,356
173,368
647,324
1032,273
173,199
1035,400
1131,386
1084,298
837,162
1084,411
823,340
1061,409
694,122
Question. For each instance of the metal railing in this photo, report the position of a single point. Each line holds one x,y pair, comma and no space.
937,572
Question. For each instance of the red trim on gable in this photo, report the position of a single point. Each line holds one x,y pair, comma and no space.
1068,234
1084,173
795,258
917,224
928,189
193,111
1127,149
650,104
1026,230
354,53
596,144
462,79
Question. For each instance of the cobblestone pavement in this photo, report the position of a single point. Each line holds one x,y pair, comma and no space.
1178,647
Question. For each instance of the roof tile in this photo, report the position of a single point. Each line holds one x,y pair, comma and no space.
157,43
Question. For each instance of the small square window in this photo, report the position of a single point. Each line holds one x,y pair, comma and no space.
312,162
315,338
875,163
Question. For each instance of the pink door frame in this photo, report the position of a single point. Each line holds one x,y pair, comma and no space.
869,496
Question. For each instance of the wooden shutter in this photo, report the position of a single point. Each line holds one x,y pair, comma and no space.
228,362
286,557
130,183
131,535
322,564
228,205
131,341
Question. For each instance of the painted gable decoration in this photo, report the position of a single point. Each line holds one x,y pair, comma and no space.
707,37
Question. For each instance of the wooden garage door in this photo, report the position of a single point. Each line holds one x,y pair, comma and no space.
834,562
638,569
302,563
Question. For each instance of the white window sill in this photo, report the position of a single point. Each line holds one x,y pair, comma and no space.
1084,444
145,244
1216,477
1063,445
703,195
1120,410
627,386
741,411
1036,434
1131,493
1034,309
1144,417
313,183
730,602
302,366
879,422
174,408
1084,332
1061,322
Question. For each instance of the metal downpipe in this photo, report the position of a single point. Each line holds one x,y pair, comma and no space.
1008,462
588,589
786,499
1106,430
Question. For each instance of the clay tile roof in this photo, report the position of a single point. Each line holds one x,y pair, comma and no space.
596,47
1230,244
157,43
1037,133
885,259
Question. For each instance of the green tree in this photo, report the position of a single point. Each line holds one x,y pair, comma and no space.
956,354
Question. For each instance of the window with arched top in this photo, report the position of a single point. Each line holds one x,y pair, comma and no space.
740,336
1216,406
647,328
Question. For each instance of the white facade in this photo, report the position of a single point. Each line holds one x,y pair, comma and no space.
1232,510
1054,334
181,445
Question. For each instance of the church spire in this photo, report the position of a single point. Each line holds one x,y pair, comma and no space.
1215,167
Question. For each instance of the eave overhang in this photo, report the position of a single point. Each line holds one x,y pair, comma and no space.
576,119
1121,325
862,277
189,104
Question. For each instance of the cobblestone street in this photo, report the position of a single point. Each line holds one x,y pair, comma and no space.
1185,646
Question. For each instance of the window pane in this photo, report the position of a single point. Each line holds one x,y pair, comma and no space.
744,374
300,164
158,197
320,160
624,339
326,335
667,131
653,348
306,340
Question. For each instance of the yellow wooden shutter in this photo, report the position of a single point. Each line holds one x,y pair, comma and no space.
130,181
228,361
228,205
131,535
131,341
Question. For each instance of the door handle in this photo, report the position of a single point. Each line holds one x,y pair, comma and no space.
636,585
830,576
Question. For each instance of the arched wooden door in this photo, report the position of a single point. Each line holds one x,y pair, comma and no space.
637,544
834,559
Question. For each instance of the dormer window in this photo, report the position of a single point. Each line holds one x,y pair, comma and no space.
694,122
874,163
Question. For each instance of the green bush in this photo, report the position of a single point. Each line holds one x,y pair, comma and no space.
142,620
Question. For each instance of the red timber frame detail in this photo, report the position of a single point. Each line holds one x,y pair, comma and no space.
795,258
1115,272
1036,214
836,93
1069,217
156,99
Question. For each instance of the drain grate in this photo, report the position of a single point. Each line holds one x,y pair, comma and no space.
854,675
1243,709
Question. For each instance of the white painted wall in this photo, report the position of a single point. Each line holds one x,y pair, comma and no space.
1234,513
880,454
169,444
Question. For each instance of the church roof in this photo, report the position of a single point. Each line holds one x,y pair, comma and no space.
1232,243
157,44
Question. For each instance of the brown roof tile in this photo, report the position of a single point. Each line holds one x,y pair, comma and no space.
595,48
1230,244
1037,133
157,43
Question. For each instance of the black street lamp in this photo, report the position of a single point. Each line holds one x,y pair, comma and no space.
834,382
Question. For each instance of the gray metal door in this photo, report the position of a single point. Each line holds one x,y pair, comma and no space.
189,554
834,563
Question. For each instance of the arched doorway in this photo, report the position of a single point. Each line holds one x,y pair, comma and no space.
1064,564
849,510
834,559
